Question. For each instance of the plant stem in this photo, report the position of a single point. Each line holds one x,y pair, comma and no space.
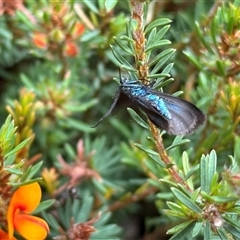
137,8
139,39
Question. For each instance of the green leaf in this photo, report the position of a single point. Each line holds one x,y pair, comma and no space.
51,220
120,58
192,58
137,118
91,6
154,39
157,45
14,171
198,227
184,190
173,206
182,230
207,170
26,173
123,46
202,39
6,34
177,144
232,221
160,84
76,124
7,137
106,232
168,68
221,68
101,5
157,23
207,230
26,81
237,149
69,150
129,30
212,163
164,195
222,234
110,4
130,42
34,169
174,214
185,200
44,205
69,211
160,64
85,206
151,35
204,177
99,186
186,169
170,183
151,166
18,147
213,29
127,68
194,169
195,195
157,160
168,52
19,184
145,149
90,35
158,75
154,183
82,107
218,199
25,19
105,217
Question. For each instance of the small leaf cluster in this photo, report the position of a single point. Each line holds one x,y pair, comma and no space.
208,210
153,41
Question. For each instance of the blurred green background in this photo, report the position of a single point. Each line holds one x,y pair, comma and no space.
57,64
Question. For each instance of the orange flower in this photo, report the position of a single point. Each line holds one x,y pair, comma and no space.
5,236
40,40
71,49
78,29
23,202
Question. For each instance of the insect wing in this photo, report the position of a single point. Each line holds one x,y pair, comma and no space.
185,117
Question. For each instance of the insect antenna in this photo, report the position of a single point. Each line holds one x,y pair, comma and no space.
115,99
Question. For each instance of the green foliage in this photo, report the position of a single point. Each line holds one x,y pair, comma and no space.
213,204
63,56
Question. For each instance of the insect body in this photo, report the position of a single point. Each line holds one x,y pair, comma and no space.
173,114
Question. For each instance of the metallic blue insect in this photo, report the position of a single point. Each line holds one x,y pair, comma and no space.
175,115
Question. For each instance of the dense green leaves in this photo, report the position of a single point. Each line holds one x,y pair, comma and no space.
121,171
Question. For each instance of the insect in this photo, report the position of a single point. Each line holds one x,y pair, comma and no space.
172,114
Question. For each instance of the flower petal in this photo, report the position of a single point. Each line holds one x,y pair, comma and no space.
25,199
78,29
5,236
40,40
31,227
71,49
